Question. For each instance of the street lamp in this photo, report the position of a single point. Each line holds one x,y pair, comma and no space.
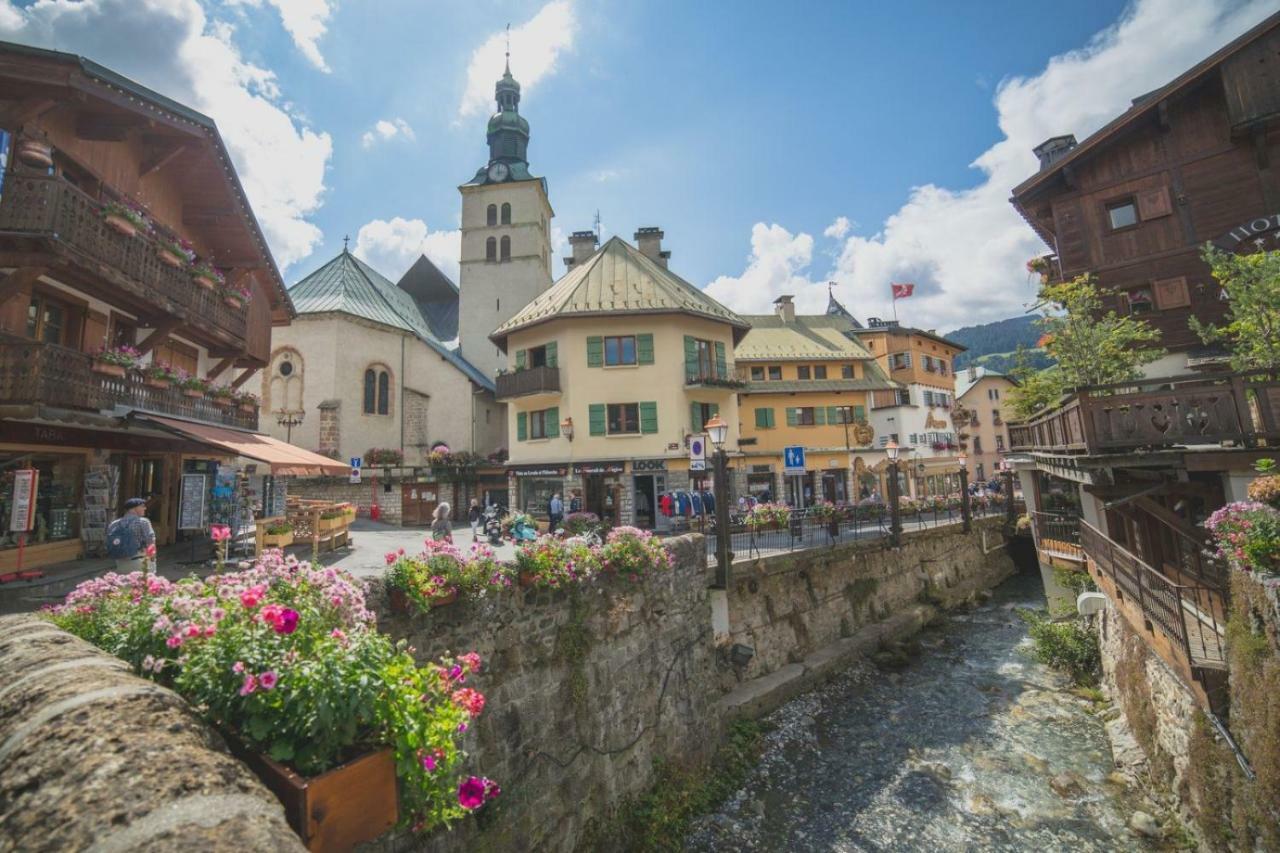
718,431
965,511
895,511
289,418
566,428
1007,469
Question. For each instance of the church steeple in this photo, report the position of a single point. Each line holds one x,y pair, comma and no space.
508,132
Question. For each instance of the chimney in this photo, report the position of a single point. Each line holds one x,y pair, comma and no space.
649,242
584,246
973,373
785,309
1054,149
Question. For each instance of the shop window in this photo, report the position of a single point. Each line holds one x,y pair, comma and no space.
58,497
623,418
1122,214
619,350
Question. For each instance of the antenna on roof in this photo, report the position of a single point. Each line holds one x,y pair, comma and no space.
597,226
508,47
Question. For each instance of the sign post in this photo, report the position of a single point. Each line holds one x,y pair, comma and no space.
793,465
698,453
23,515
356,464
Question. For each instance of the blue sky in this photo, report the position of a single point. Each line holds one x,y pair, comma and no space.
780,146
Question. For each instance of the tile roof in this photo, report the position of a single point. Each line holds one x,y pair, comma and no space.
811,337
618,279
350,286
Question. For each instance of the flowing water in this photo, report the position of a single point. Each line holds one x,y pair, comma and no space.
974,746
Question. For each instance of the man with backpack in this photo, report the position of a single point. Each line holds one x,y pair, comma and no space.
129,535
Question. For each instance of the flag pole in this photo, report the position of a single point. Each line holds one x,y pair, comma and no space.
893,297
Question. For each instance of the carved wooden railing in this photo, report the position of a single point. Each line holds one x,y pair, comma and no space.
533,380
1057,534
1242,409
50,207
52,375
1191,616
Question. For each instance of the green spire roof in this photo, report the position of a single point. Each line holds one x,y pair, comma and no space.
618,279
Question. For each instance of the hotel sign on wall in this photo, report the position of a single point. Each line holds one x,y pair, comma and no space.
1252,236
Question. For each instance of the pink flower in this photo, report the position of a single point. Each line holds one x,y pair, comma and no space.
250,597
391,557
428,762
219,533
250,685
471,793
338,635
268,679
288,622
194,630
472,700
457,673
271,613
471,661
238,667
174,641
491,789
150,550
210,630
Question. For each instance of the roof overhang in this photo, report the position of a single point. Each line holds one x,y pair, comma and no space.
284,459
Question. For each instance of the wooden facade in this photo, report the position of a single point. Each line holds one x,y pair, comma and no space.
1186,165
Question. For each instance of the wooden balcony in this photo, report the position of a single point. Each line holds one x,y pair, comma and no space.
709,376
1236,409
51,375
64,228
525,383
1057,535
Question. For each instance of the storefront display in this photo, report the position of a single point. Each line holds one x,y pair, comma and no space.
58,498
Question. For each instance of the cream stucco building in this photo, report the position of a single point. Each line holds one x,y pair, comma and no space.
609,374
984,394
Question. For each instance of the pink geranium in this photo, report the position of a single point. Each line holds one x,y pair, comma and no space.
250,684
267,680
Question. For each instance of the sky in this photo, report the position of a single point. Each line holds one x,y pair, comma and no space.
780,146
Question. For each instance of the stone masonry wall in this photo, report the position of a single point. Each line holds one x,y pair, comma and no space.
93,757
586,688
789,606
359,494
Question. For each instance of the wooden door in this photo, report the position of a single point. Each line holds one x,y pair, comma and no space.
145,477
418,503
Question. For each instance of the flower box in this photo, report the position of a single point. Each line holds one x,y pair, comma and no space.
206,282
528,579
277,540
168,258
442,600
108,369
233,301
221,400
158,384
350,804
249,408
328,525
194,393
120,225
35,153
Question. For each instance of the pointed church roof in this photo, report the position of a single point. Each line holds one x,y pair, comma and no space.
348,285
435,295
618,279
835,309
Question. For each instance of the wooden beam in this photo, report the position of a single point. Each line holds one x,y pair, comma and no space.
161,158
31,109
1162,114
1170,519
15,296
244,377
158,335
104,128
195,214
220,368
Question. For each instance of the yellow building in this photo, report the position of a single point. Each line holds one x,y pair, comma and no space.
809,384
984,395
610,372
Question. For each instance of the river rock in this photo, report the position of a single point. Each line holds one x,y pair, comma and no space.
1145,825
1035,762
1067,784
981,804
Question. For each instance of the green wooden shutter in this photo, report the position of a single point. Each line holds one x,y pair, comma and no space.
522,358
793,416
695,416
522,426
649,417
772,422
595,351
644,349
690,357
859,414
762,418
553,422
595,419
552,352
833,414
819,416
722,367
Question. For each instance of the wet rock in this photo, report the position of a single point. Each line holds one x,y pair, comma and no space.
981,804
1145,825
755,807
1118,779
891,659
1067,784
1035,762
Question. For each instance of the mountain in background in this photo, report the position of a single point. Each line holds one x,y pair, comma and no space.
993,345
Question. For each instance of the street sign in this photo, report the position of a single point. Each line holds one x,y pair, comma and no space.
357,462
698,453
793,459
355,473
23,515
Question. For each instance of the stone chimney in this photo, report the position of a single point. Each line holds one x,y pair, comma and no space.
649,242
584,246
973,373
1054,149
785,308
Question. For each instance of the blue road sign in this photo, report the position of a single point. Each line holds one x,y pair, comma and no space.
793,459
357,462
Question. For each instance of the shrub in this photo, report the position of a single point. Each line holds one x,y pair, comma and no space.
1067,646
1074,580
1247,535
551,562
767,515
578,523
1266,490
287,658
442,569
633,552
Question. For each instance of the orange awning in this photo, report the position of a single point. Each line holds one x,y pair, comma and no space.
284,459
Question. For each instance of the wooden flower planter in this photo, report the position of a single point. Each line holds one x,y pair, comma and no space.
277,540
193,393
527,579
336,810
224,402
442,600
328,525
205,282
121,225
158,384
168,258
234,301
35,153
108,369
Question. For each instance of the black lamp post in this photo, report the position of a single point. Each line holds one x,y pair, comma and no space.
895,511
1009,515
289,418
718,431
965,512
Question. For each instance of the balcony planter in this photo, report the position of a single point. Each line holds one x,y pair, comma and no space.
168,258
193,393
277,540
158,384
33,152
120,225
108,369
205,281
221,400
350,804
233,301
248,408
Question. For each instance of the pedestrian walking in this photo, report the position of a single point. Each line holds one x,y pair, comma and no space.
474,515
441,527
129,536
555,511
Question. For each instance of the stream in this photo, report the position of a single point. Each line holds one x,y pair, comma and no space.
974,746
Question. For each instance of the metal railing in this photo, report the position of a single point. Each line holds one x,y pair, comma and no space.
1192,617
52,208
48,374
533,380
1057,534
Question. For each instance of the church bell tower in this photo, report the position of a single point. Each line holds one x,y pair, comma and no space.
506,232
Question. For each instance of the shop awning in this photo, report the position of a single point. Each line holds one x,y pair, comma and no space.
284,458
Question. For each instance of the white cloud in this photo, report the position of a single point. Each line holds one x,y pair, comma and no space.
170,46
304,20
392,246
966,249
838,229
386,129
536,46
602,176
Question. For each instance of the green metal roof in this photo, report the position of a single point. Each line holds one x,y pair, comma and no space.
809,337
618,279
348,285
869,382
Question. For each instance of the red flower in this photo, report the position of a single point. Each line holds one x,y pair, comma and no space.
471,793
288,622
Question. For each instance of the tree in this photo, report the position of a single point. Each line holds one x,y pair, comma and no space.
1251,284
1091,346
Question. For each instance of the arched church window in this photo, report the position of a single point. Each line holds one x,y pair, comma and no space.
491,215
377,391
491,249
506,248
384,392
370,391
506,213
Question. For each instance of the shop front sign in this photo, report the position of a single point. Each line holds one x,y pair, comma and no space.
539,470
598,467
641,465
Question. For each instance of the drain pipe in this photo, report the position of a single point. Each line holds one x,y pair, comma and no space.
1235,748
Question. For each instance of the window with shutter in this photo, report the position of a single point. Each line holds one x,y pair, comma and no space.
553,422
819,415
695,417
690,357
1172,293
1154,204
596,418
644,348
762,418
522,359
793,416
552,354
722,367
833,415
649,417
860,414
522,426
595,351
